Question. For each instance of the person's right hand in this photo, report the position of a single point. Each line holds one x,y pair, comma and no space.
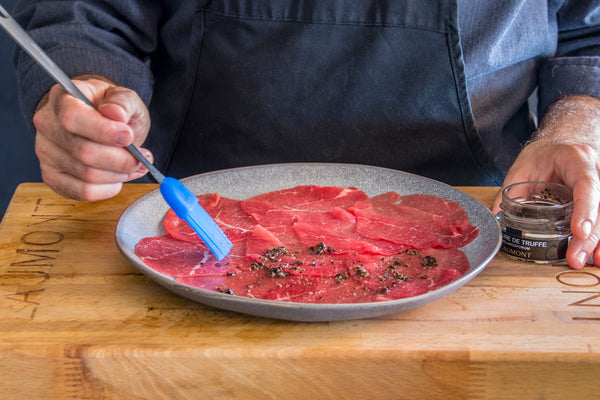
81,149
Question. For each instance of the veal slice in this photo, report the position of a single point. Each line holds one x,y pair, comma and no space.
176,258
361,279
283,207
228,214
414,223
337,230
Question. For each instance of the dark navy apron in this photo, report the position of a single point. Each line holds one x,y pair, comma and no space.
368,82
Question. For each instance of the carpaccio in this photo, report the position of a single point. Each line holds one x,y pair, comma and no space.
314,244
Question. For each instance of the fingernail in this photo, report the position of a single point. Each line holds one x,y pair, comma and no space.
148,155
123,138
582,257
586,227
141,169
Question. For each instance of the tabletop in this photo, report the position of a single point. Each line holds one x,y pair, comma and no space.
81,322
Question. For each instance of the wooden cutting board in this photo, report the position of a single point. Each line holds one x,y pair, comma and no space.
78,321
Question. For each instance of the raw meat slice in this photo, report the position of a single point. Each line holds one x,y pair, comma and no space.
262,240
282,207
382,217
412,272
367,278
282,252
259,286
337,230
176,258
450,212
228,214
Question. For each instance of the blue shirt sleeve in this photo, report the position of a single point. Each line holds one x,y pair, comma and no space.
111,38
575,68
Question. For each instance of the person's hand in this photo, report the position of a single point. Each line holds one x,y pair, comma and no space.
566,150
81,149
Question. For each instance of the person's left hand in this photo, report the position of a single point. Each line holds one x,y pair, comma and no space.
567,150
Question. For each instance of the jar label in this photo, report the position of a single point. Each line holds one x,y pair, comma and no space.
528,249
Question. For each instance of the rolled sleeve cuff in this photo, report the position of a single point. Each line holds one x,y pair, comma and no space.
568,76
35,82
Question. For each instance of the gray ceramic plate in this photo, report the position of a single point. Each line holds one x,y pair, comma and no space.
144,218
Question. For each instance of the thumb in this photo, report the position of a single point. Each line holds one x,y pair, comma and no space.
124,105
113,111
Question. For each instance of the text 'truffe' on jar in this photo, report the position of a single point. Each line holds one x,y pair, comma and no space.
535,221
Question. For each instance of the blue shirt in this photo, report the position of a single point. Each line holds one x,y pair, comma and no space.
510,48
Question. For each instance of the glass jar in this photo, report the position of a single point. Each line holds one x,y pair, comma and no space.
535,221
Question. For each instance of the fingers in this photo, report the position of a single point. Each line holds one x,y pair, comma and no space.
576,166
70,187
76,180
69,150
582,175
75,117
527,167
586,198
580,250
124,105
96,164
81,148
585,224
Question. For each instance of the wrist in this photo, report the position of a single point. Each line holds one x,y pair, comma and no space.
573,119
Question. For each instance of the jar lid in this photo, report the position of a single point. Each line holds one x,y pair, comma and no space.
538,200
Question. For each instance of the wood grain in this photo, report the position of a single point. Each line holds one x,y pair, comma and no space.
80,322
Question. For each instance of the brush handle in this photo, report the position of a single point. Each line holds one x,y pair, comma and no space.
156,174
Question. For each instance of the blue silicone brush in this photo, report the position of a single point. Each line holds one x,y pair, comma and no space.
176,194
